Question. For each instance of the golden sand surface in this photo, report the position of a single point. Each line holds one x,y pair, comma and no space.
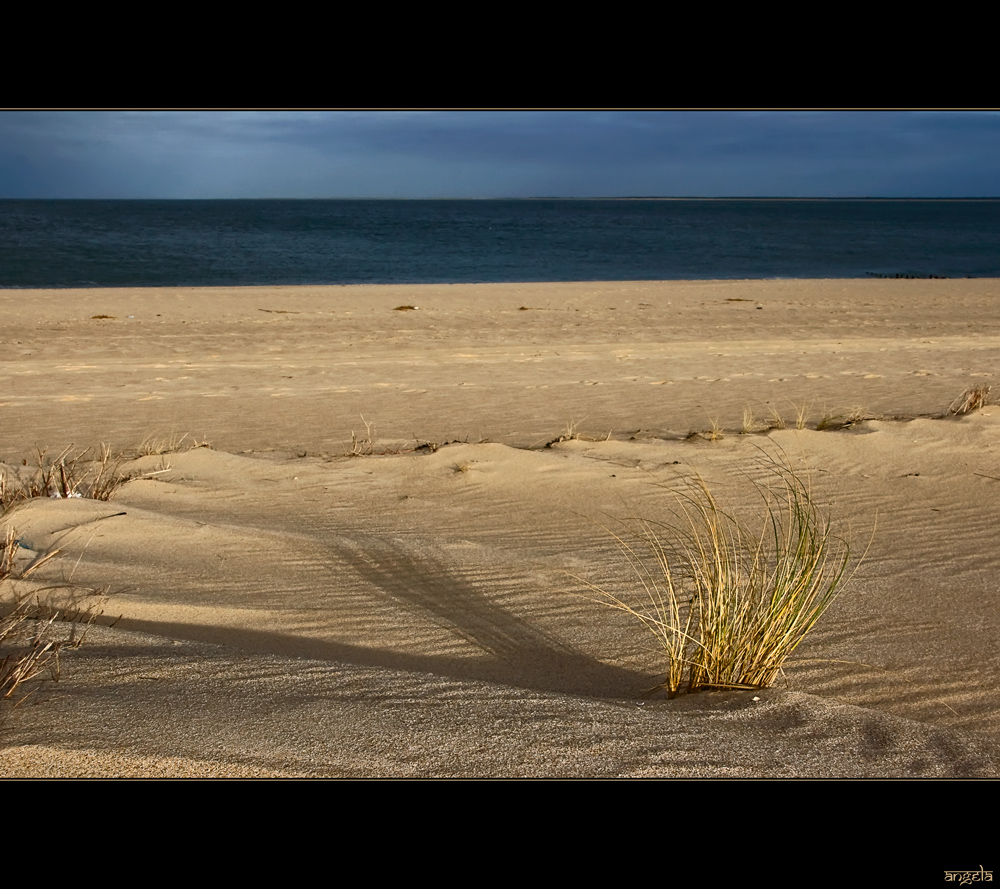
371,568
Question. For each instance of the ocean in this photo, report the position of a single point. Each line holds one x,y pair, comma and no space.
267,242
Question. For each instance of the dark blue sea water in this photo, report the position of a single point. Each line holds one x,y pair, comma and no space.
177,243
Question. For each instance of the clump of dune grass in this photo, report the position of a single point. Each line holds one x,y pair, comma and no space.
92,473
714,432
834,422
573,433
769,420
801,414
368,444
28,647
972,399
730,600
25,649
774,419
159,445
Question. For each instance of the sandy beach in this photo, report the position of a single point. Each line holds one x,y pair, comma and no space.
362,519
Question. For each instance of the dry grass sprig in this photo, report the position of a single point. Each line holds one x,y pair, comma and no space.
972,399
728,602
835,422
28,653
8,554
8,551
364,445
23,654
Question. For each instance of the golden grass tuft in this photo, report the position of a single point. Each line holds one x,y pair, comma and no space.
714,432
972,399
801,414
728,601
775,420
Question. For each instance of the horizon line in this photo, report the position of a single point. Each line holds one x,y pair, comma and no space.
546,198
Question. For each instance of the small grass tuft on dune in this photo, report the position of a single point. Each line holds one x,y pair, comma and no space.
972,399
729,599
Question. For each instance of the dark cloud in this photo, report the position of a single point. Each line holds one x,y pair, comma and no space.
489,153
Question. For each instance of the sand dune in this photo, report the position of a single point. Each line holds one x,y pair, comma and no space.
288,609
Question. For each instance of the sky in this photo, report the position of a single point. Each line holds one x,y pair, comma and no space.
498,154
